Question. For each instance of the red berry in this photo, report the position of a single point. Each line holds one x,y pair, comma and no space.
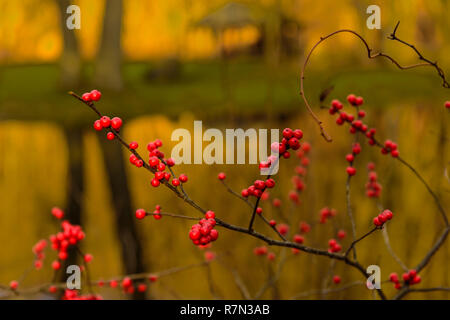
105,121
214,234
276,202
356,148
98,125
88,257
447,104
350,157
273,223
133,145
57,213
175,182
52,289
153,278
95,95
405,276
337,279
298,134
351,98
351,171
377,222
393,277
359,101
13,285
388,214
412,273
299,239
270,183
283,229
110,136
183,178
153,162
245,193
161,166
194,234
158,143
259,210
221,176
341,234
116,123
62,255
210,214
140,214
170,162
127,282
155,182
142,287
288,133
271,256
56,265
86,97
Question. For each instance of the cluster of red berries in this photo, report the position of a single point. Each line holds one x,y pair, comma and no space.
69,236
373,188
300,173
382,218
127,284
106,122
390,147
257,188
38,250
291,140
203,232
357,125
411,277
334,246
141,213
326,213
159,164
94,95
73,295
356,149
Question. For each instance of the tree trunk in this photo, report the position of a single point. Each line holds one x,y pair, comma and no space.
74,187
70,61
126,229
108,73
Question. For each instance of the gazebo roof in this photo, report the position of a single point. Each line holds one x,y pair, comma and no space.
231,15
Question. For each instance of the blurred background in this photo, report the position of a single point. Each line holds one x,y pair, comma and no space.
163,64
